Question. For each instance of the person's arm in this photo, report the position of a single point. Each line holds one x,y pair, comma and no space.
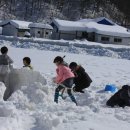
10,61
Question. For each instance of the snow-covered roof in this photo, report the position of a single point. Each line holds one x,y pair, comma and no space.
4,22
40,25
114,30
97,20
64,25
92,25
86,20
17,23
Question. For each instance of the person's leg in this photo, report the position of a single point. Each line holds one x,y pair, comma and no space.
71,96
7,94
121,103
113,101
78,89
6,80
62,94
81,87
57,90
1,78
9,90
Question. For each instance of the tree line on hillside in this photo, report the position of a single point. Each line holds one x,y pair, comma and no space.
37,10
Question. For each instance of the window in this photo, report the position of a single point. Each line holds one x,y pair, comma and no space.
117,40
47,33
39,32
105,38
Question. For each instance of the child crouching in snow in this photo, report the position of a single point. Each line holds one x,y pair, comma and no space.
82,80
64,79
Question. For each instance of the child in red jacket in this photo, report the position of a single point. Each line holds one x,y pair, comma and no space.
64,79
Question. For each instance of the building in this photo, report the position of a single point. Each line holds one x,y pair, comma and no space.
104,30
100,30
40,30
14,28
67,30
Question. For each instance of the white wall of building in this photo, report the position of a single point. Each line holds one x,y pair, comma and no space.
125,40
66,35
40,32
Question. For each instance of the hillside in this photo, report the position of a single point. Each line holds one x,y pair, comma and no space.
45,10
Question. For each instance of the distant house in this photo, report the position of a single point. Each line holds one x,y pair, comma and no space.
100,30
14,28
68,30
40,30
106,31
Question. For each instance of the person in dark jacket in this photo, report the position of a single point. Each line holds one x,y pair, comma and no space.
82,79
121,98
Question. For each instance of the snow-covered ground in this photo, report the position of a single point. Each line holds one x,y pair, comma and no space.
32,107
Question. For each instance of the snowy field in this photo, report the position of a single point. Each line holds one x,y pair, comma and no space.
32,107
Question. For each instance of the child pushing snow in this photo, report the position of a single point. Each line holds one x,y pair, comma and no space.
64,79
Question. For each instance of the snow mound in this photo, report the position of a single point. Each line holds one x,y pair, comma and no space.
76,46
6,109
24,77
35,98
2,89
46,121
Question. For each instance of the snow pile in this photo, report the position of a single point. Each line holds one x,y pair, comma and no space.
31,93
24,77
2,89
27,96
78,47
46,121
35,98
6,109
10,117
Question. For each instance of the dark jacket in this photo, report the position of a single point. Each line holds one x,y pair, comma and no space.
121,98
81,79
